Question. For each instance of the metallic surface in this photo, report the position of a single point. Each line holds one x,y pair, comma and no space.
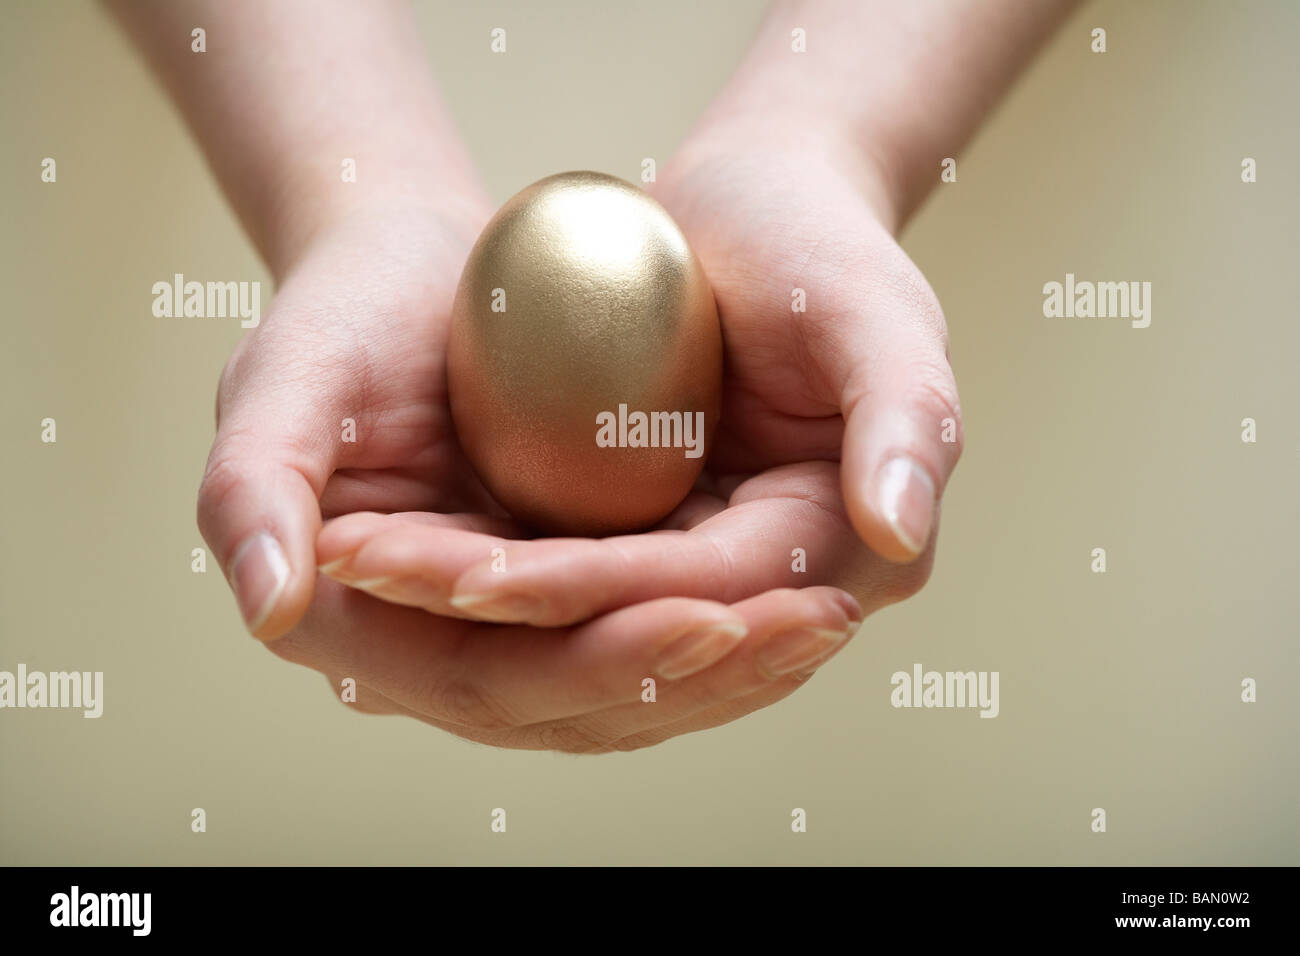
604,304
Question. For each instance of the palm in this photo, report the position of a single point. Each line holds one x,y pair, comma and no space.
778,407
386,286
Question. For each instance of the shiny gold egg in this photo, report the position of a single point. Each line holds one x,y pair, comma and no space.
585,360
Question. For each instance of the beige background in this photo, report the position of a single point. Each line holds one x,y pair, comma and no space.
1118,690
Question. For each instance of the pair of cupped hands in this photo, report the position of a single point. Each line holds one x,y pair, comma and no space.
385,561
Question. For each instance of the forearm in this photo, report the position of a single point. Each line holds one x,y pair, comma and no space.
906,84
287,91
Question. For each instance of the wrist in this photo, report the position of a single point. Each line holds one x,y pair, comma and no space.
305,203
815,138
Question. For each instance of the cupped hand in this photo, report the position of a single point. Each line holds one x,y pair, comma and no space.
337,404
621,681
840,423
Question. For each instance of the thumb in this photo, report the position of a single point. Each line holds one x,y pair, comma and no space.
259,502
902,416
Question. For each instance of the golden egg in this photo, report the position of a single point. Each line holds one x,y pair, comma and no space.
585,361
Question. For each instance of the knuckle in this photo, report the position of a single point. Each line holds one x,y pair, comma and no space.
224,474
229,375
366,701
708,688
906,580
637,741
290,648
464,702
935,395
228,380
913,295
572,738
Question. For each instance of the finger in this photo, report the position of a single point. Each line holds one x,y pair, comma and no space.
784,529
489,677
372,702
606,663
887,358
425,489
716,716
277,442
258,502
586,735
361,697
367,700
341,539
579,736
409,559
790,635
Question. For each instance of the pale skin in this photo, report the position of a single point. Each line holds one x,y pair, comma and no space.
841,424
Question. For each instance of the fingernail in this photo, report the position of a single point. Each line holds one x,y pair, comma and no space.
812,668
258,574
330,567
415,592
506,608
907,502
691,653
796,650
